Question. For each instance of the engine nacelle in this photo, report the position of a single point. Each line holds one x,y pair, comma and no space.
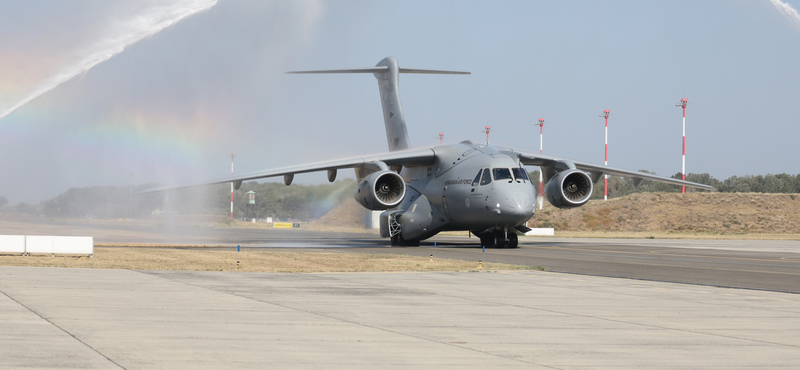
569,189
381,190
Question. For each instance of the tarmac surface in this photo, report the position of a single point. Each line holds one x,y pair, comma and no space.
123,319
601,304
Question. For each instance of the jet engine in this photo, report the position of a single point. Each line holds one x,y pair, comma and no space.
381,190
569,189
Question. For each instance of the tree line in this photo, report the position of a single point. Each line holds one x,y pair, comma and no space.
620,187
306,202
296,202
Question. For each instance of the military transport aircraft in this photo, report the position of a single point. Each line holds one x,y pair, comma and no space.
483,189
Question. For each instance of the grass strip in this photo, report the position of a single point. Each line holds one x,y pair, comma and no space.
202,259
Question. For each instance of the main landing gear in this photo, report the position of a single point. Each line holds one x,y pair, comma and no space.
499,239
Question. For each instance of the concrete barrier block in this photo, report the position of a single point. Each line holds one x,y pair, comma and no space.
545,231
73,245
12,244
39,244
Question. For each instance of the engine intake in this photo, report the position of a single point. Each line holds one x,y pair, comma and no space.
381,190
569,189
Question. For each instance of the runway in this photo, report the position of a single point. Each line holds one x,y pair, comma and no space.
749,264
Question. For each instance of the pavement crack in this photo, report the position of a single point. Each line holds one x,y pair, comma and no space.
62,329
450,344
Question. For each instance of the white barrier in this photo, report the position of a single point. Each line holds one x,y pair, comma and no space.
12,244
45,244
73,245
546,231
38,244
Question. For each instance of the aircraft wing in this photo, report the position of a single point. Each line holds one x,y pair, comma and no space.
531,159
399,158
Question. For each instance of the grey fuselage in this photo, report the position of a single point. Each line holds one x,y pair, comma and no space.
449,185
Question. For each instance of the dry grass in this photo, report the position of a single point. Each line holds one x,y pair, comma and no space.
199,259
700,215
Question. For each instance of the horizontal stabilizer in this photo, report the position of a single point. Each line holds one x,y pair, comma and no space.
383,69
352,70
432,71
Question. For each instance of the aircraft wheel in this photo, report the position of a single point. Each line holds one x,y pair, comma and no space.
499,239
513,240
398,241
486,240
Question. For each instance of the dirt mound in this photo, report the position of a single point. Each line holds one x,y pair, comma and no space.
690,213
701,212
347,214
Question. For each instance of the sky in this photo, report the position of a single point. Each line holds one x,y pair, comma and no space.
119,93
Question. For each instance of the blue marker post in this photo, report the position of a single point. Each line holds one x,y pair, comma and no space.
434,244
239,248
484,252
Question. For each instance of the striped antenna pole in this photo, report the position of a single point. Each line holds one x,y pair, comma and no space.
540,196
486,130
441,137
232,185
605,180
682,104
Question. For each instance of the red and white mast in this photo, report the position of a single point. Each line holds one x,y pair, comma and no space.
232,185
682,104
441,137
486,130
540,196
605,180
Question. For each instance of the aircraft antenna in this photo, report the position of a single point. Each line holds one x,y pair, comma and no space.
540,196
605,181
683,104
486,130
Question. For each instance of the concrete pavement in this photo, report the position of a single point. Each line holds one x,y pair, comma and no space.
111,319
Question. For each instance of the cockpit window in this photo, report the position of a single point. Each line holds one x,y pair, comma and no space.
477,178
501,174
520,174
487,176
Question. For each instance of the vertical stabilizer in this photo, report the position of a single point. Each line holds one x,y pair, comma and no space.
387,71
388,83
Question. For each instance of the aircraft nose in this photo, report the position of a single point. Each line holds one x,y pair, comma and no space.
519,204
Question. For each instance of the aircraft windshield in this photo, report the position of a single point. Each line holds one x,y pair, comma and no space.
520,174
501,174
477,178
487,177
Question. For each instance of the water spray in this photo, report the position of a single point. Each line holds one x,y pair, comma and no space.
143,25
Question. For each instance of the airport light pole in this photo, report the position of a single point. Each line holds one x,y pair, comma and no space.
486,130
605,180
232,185
540,196
682,104
440,137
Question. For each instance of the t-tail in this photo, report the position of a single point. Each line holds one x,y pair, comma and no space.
387,71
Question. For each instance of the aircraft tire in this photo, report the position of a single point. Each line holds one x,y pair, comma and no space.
513,240
398,241
499,240
487,240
